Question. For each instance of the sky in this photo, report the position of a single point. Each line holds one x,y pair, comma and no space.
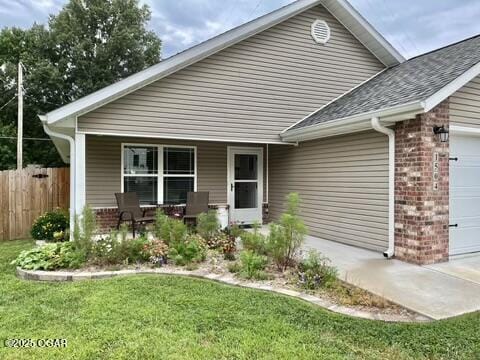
412,26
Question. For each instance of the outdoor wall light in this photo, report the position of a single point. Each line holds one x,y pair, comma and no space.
441,132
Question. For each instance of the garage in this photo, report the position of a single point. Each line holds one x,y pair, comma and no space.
464,194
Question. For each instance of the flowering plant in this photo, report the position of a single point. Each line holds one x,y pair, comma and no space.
49,226
156,251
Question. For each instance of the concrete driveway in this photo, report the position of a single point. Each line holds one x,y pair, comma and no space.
437,291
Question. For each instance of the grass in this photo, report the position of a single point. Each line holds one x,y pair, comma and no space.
170,317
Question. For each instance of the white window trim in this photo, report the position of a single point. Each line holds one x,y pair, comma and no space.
160,175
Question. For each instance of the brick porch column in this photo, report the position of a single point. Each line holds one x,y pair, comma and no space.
421,211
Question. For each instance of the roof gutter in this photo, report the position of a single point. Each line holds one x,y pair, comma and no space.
375,122
360,122
71,141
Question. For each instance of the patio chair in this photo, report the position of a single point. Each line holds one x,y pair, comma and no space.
129,210
197,203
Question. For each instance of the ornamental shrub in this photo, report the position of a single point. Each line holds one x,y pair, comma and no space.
169,230
286,238
84,230
208,225
254,241
252,265
115,250
315,271
50,257
50,226
191,249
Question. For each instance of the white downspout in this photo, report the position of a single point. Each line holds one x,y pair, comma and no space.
391,184
266,175
71,141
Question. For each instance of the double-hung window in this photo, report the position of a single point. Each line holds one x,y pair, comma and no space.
159,174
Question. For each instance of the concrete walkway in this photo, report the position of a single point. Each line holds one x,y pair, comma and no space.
437,291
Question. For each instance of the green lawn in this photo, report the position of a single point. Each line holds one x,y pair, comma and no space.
180,318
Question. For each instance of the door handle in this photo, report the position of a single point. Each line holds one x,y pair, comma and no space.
231,187
455,226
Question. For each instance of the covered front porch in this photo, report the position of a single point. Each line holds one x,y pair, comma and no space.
163,171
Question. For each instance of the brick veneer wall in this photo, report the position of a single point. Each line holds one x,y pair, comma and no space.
421,213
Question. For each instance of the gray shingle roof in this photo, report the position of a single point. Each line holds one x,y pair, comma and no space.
414,80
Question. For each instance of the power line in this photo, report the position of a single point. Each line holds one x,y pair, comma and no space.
389,10
8,102
256,8
229,12
25,138
42,101
372,9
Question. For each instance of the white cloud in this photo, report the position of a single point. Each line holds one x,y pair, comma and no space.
412,26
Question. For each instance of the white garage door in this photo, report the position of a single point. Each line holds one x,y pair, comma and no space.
464,194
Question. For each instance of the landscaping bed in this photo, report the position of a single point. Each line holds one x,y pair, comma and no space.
248,258
147,316
342,298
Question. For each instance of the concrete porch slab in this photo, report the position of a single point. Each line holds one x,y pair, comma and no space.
423,289
464,267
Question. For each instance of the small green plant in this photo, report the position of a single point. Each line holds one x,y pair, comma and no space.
235,230
254,241
252,265
123,231
131,250
50,226
84,229
50,257
112,250
59,236
191,249
104,250
315,271
208,225
169,230
287,237
234,267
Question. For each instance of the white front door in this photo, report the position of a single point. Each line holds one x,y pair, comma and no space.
245,184
464,194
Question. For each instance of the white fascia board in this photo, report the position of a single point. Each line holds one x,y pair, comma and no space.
349,17
392,114
179,61
452,87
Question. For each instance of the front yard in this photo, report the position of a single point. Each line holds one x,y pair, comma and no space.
174,317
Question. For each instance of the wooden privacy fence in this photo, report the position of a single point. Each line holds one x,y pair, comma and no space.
28,193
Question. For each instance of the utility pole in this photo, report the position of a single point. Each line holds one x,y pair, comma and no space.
20,118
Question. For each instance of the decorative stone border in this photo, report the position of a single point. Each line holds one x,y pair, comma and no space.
222,278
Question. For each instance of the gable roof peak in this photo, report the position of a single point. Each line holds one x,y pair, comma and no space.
340,9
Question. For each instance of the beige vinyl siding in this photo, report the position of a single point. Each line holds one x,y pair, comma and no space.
266,82
103,167
465,105
343,185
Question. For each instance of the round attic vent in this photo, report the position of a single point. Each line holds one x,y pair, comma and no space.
320,31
